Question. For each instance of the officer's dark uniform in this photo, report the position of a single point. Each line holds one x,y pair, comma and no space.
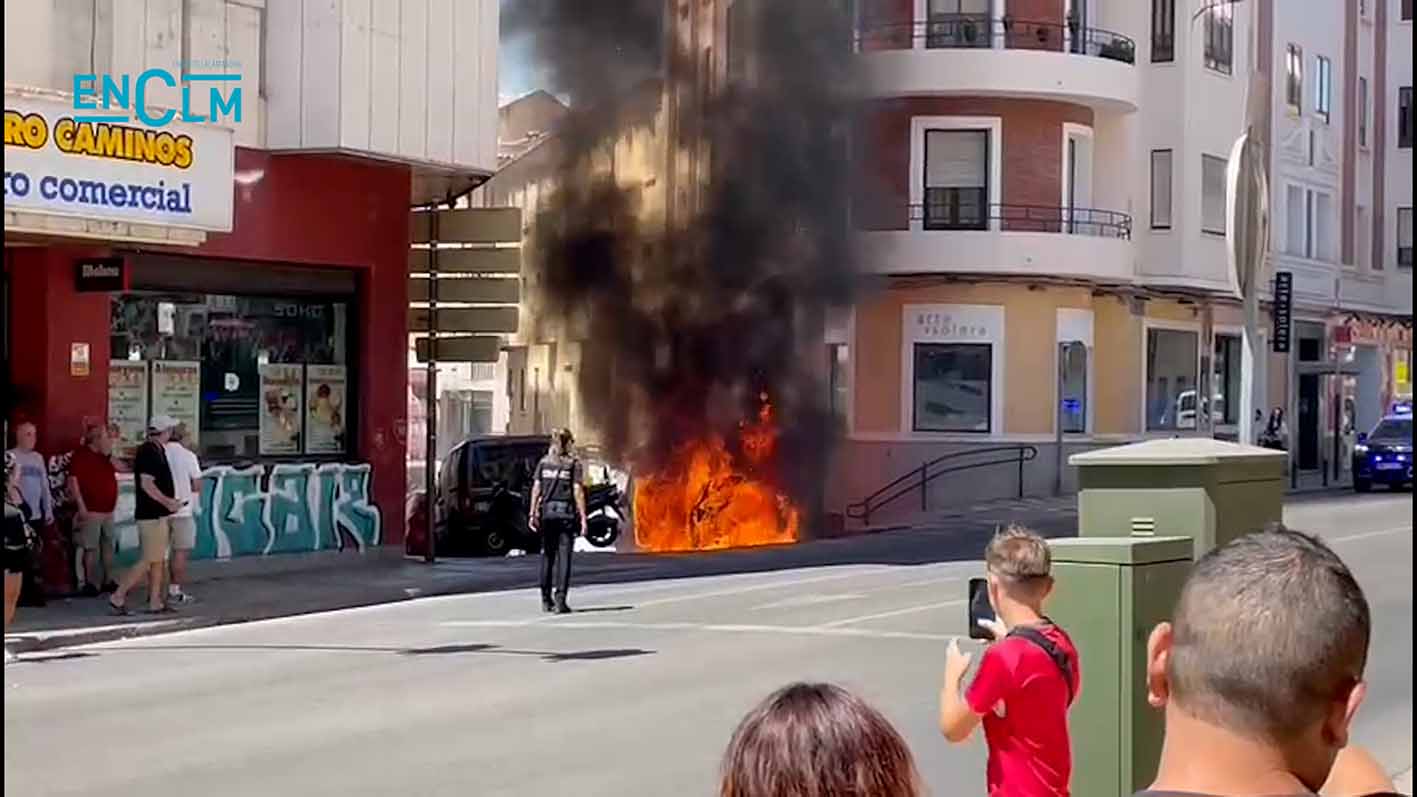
560,524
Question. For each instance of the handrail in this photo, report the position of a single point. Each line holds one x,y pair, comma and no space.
920,478
981,31
942,215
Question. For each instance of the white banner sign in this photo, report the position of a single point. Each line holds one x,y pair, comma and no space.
177,392
324,402
281,415
177,175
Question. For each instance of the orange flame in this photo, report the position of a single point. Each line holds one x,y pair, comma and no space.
705,499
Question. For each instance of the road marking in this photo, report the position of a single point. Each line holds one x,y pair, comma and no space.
810,600
718,593
786,630
1366,534
895,613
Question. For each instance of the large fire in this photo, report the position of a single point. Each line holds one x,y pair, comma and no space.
708,497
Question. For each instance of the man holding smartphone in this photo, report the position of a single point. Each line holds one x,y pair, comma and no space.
1027,679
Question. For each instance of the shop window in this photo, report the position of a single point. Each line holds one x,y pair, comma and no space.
251,376
1171,366
1073,389
1225,381
952,390
956,179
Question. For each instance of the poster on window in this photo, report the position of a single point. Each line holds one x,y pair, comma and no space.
281,408
177,392
128,403
324,414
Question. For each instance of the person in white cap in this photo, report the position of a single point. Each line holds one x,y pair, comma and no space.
153,509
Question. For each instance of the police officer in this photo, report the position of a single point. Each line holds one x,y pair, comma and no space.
558,513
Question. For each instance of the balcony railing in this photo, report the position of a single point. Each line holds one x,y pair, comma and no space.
981,31
957,213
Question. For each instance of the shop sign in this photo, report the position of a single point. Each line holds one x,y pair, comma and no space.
128,402
62,163
78,359
1283,312
954,322
101,275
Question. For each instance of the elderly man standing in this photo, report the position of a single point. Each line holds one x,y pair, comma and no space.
187,485
153,509
93,486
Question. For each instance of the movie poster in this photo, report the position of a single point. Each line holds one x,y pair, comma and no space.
128,403
177,392
324,415
281,408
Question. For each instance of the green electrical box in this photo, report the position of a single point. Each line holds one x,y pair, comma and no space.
1208,490
1110,593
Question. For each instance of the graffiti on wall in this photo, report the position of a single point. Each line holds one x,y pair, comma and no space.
268,509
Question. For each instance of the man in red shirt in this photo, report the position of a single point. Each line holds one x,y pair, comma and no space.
93,484
1027,678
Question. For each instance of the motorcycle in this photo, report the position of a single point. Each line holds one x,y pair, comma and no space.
605,514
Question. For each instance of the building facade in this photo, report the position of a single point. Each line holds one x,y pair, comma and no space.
1035,174
262,298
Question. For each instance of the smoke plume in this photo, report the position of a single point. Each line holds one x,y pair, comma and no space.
689,318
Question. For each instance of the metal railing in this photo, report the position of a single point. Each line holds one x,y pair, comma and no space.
950,214
920,478
981,31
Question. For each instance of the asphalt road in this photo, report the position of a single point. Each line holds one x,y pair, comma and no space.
634,695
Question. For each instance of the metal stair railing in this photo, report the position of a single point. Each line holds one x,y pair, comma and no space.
919,478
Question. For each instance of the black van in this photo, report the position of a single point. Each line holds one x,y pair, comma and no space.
484,497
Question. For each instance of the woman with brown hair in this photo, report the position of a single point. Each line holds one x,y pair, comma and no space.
817,740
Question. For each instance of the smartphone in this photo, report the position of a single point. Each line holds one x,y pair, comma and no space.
979,609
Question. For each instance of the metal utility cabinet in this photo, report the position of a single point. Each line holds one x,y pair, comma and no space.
1209,490
1109,594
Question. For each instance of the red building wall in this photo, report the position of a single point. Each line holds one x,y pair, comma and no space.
1032,158
301,209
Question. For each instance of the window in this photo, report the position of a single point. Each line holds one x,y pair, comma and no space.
1213,194
1161,189
1325,244
1323,88
1404,117
1404,237
837,365
1296,222
1361,238
1225,381
958,23
1362,112
956,179
1294,78
1406,10
256,375
952,390
1073,390
1220,37
1163,31
1171,364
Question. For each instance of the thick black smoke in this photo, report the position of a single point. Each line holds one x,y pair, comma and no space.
686,322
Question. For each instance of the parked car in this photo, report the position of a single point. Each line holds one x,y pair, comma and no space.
1384,456
484,498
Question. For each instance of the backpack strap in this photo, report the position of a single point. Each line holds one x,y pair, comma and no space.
1048,646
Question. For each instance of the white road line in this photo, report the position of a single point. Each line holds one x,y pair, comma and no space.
786,630
1365,535
758,587
894,613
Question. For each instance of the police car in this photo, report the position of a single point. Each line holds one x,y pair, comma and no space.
1384,456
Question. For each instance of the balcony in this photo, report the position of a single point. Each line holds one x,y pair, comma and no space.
980,55
945,237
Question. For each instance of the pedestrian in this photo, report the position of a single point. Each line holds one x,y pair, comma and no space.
558,512
817,740
1260,672
33,481
20,540
155,502
1028,677
187,484
93,488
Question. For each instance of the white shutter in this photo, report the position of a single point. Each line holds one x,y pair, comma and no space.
1212,194
1161,188
956,158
